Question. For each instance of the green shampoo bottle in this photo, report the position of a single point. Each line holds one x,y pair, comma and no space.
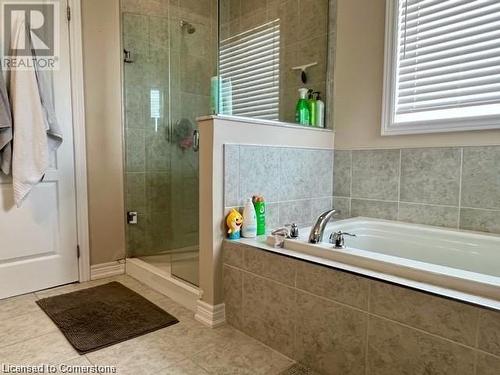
260,210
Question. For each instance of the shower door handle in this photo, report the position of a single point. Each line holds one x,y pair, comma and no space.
196,140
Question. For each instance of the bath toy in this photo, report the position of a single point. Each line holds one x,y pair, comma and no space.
234,221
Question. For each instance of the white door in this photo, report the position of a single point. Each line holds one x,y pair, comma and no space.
38,242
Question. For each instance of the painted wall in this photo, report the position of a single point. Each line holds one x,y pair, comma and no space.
102,63
359,81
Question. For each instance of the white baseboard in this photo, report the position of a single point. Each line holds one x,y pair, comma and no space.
209,315
179,291
100,271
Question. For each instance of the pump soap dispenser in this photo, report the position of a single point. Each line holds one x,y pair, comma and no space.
320,111
302,114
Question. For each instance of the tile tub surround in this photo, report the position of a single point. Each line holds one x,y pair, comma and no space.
297,183
454,187
340,323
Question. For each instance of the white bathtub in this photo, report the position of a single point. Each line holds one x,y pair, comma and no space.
461,261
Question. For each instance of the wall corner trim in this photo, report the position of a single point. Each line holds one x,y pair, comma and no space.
79,138
210,315
103,270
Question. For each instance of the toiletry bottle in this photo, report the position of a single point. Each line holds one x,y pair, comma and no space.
311,101
226,97
260,210
302,110
249,228
214,95
320,111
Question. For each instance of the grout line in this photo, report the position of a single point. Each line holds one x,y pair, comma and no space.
2,347
290,201
367,327
374,200
351,163
460,186
242,318
482,209
429,204
350,172
399,181
294,343
368,148
476,341
238,187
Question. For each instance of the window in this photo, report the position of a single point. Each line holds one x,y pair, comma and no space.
249,70
442,66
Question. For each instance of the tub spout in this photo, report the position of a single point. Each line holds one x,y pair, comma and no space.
316,235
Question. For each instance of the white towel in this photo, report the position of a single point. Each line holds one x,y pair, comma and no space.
5,128
46,91
30,158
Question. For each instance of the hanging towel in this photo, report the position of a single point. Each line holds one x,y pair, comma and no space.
5,128
31,155
46,91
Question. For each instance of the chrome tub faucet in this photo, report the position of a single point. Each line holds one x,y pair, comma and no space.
317,231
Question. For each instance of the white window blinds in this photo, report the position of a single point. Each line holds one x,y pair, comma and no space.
445,63
249,70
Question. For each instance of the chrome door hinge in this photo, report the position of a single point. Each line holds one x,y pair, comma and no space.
68,13
78,251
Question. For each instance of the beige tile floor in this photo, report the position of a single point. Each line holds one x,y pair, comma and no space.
28,337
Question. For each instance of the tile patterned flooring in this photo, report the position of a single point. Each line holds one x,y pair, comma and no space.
28,337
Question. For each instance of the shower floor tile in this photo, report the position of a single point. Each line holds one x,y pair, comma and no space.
186,348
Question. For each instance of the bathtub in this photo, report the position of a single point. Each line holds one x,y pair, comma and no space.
434,259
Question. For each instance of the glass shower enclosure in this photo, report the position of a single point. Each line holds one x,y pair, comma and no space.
169,55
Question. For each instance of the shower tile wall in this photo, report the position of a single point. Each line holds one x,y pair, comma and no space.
161,171
304,29
451,187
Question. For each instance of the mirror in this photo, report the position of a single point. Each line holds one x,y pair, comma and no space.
268,50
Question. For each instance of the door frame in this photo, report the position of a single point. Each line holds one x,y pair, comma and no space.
79,138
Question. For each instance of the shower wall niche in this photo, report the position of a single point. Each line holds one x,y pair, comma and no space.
169,57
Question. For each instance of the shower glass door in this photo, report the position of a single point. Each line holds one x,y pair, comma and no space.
168,62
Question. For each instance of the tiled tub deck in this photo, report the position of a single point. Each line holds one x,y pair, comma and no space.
340,323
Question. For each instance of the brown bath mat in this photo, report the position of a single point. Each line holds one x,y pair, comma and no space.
105,315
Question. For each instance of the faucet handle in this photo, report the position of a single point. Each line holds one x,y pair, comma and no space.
282,231
294,230
348,234
280,234
337,238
